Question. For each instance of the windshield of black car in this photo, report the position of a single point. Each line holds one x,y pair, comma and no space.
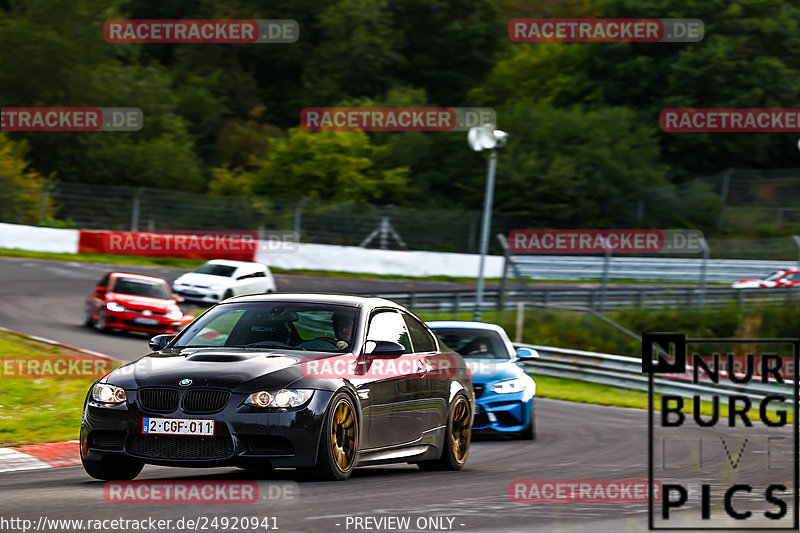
137,287
224,271
274,325
474,343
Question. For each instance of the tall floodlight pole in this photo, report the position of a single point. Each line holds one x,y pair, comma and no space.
485,138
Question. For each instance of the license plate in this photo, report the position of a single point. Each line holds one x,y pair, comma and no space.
178,426
147,321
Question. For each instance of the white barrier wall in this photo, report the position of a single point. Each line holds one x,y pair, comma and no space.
371,261
36,239
302,256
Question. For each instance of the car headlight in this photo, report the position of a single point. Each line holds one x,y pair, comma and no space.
281,398
175,314
114,306
509,386
105,393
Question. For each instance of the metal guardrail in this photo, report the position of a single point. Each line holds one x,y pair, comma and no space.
555,267
591,298
626,373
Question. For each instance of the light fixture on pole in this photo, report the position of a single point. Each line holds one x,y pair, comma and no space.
485,138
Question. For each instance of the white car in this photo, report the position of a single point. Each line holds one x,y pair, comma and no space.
220,279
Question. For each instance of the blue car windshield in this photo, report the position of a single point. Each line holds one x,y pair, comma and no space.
474,343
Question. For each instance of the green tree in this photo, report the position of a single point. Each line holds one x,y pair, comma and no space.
328,165
563,167
20,187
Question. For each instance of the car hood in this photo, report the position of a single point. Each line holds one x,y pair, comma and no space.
485,370
204,280
142,302
239,370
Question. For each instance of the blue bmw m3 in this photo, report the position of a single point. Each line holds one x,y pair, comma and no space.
503,391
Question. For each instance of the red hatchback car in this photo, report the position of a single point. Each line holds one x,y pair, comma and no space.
134,302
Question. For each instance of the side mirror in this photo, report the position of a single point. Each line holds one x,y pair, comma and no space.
159,342
527,353
100,290
179,299
383,349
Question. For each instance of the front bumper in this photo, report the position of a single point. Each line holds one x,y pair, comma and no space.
134,321
197,294
502,413
242,434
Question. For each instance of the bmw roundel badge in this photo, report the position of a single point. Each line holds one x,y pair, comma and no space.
185,382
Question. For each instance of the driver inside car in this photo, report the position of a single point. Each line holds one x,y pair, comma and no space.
343,327
342,338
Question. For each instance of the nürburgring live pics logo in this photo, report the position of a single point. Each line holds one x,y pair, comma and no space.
729,471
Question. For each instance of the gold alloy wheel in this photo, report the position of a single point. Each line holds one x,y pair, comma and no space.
460,429
343,435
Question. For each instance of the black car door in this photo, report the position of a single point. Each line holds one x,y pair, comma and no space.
398,391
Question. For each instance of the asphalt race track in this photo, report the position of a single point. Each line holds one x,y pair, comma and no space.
574,441
45,298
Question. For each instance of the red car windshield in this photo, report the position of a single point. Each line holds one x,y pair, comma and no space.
137,287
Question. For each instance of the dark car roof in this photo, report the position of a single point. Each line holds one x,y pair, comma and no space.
340,299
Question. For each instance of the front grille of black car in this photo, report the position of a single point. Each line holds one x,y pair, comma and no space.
158,400
183,447
205,401
478,387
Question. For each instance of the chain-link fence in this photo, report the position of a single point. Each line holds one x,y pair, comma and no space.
735,202
319,221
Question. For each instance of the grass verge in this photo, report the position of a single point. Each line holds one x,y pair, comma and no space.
40,410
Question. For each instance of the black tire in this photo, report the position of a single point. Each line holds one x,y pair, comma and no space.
529,433
87,316
113,467
228,294
340,431
454,457
100,323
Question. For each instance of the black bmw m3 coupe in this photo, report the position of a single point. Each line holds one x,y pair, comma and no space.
321,383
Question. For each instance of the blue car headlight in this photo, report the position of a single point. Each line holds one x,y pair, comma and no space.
510,385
